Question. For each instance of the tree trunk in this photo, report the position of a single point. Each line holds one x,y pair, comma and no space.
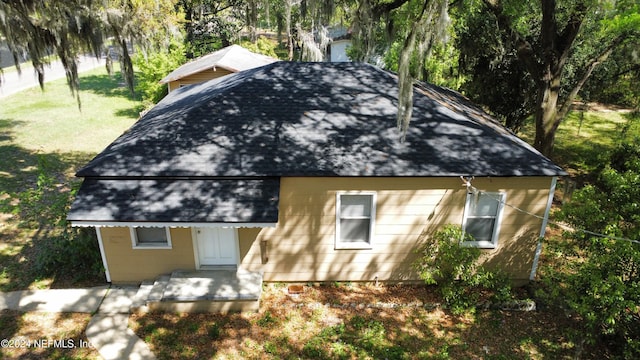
546,116
288,5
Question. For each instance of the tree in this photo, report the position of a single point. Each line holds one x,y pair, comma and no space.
67,28
617,83
552,38
598,278
211,25
418,25
149,26
39,29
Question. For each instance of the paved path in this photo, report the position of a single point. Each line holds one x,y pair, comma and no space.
72,300
13,83
108,331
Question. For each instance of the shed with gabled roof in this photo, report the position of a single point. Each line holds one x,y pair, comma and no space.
225,61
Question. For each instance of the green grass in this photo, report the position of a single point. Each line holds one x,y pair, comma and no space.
586,136
50,121
44,140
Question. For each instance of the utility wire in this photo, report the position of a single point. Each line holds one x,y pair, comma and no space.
473,189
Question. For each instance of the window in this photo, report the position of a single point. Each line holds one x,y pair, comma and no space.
355,216
482,215
151,237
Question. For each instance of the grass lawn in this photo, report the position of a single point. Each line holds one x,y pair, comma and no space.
359,322
587,135
45,138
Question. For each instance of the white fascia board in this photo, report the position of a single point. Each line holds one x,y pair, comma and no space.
168,224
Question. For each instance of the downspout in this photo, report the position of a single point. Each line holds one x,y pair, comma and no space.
543,228
102,254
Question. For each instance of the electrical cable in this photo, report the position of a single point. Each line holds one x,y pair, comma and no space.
473,189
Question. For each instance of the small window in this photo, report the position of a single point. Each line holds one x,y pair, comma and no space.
151,237
482,216
355,216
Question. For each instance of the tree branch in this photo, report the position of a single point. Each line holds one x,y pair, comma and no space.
523,48
602,56
567,36
385,8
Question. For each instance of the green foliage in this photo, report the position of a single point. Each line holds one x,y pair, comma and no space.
74,252
446,262
217,27
267,320
69,252
69,28
315,349
599,278
270,348
214,331
262,46
504,47
155,66
44,204
493,72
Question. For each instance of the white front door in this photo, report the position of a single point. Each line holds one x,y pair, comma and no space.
217,246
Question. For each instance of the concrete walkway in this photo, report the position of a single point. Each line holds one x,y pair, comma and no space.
108,331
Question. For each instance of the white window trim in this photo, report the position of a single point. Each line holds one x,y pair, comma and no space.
136,245
502,196
340,245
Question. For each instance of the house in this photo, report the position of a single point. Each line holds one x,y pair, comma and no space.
340,42
219,63
298,171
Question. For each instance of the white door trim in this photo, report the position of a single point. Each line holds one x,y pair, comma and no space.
196,254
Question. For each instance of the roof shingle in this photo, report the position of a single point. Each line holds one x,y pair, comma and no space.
315,119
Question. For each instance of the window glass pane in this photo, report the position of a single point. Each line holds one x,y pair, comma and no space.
354,230
481,229
151,235
355,205
484,205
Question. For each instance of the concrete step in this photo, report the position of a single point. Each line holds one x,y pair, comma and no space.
139,300
157,290
206,291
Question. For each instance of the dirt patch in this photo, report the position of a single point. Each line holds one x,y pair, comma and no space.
599,107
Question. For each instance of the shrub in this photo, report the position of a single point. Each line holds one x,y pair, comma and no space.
598,278
445,262
262,46
75,251
153,67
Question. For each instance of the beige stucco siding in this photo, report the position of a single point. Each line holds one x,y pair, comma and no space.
129,265
197,78
302,246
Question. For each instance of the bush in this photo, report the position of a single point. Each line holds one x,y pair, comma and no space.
154,67
75,252
445,262
598,278
262,46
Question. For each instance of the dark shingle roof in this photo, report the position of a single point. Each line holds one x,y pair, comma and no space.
176,200
315,119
